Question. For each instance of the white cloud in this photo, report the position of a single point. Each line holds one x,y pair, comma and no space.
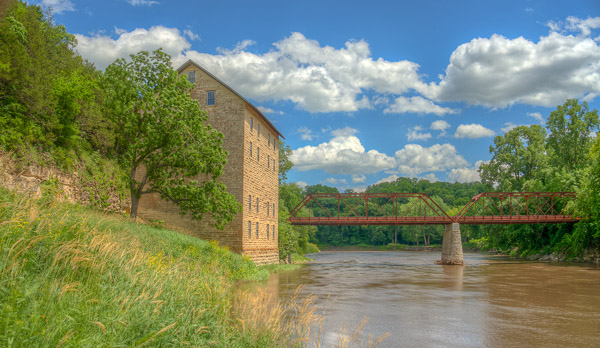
418,105
334,181
343,132
103,50
493,72
357,179
537,116
465,174
265,110
430,177
302,184
142,2
120,31
305,133
498,71
473,131
59,6
390,178
359,189
416,134
508,126
440,125
191,35
583,26
317,78
344,154
415,159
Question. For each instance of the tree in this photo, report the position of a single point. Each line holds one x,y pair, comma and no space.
571,128
163,139
284,161
518,159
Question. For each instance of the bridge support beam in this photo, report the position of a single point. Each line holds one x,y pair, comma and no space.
452,252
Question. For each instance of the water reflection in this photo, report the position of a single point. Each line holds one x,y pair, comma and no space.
489,302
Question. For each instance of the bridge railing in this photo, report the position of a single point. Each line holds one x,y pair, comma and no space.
369,209
420,209
517,207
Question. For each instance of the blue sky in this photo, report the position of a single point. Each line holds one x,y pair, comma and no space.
365,92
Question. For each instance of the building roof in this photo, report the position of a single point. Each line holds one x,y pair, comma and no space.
191,62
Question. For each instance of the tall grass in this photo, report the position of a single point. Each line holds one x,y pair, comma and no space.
75,277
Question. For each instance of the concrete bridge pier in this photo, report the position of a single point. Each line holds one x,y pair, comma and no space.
452,252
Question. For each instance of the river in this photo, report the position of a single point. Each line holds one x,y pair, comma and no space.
490,302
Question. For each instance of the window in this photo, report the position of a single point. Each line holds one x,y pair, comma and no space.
258,153
250,149
249,229
257,204
267,231
258,130
273,164
210,98
268,161
269,140
249,202
251,123
192,76
257,229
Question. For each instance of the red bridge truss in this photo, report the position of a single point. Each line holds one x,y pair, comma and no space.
420,209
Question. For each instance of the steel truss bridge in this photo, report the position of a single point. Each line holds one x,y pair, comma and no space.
420,209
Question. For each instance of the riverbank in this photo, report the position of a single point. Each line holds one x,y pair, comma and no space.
75,276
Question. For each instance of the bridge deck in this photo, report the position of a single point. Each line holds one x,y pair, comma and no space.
420,209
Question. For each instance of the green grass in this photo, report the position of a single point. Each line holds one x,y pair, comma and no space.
75,277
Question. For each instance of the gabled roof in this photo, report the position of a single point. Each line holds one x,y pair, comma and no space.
191,62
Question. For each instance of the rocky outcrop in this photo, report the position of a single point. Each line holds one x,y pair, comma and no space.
34,179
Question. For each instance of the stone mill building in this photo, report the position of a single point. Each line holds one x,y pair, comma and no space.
251,173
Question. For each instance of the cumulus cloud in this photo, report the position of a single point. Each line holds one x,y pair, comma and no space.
417,105
305,133
343,132
344,154
440,125
415,159
334,181
417,134
498,71
357,179
102,50
431,177
265,110
58,6
508,126
537,116
191,35
493,72
473,131
302,184
315,77
142,2
465,174
390,178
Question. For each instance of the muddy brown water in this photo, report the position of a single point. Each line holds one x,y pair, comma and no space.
490,302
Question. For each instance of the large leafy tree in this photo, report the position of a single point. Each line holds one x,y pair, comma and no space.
517,159
571,130
163,140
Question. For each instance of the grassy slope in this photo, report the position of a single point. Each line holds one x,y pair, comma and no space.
72,276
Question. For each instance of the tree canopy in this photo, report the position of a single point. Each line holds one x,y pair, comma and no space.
163,138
